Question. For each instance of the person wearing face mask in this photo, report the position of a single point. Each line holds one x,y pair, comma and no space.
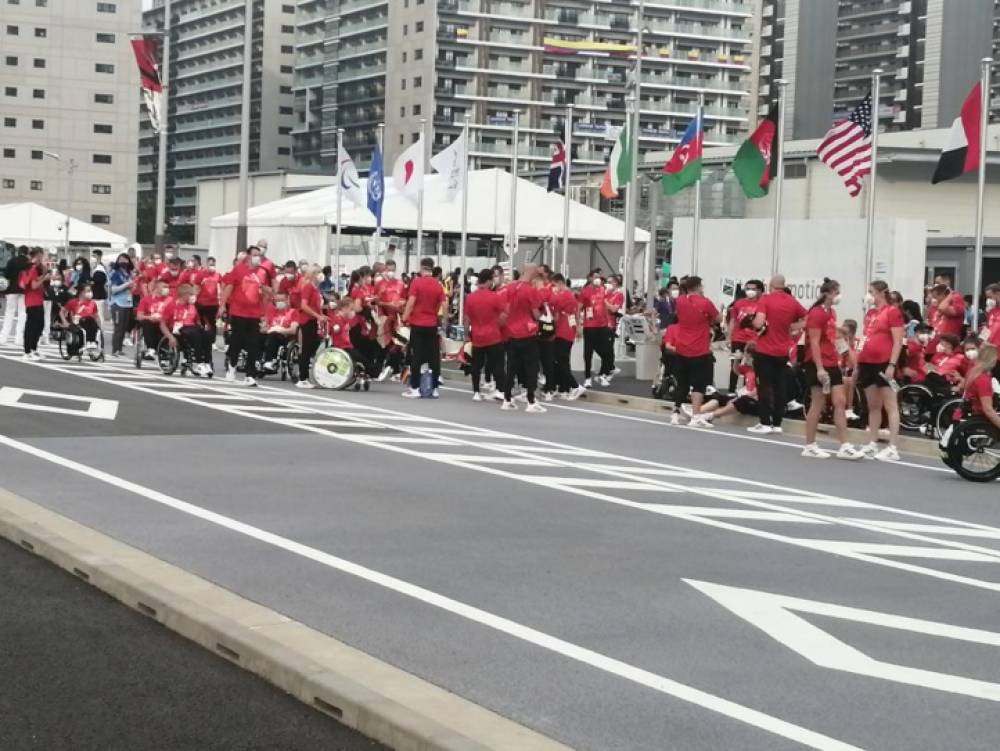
483,314
208,282
81,312
309,313
171,275
191,270
823,376
31,281
280,325
970,349
593,303
877,364
390,292
743,309
615,301
150,313
947,365
265,261
918,352
122,284
79,276
180,323
566,310
523,302
947,311
978,387
422,313
665,306
99,284
245,291
696,315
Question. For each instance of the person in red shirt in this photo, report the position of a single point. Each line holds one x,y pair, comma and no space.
823,375
614,299
279,326
150,313
208,281
740,325
339,323
992,306
596,334
308,315
266,265
32,283
947,364
81,312
245,291
422,311
978,395
546,336
695,316
566,310
484,312
524,299
778,322
364,329
947,311
171,275
877,364
191,271
391,293
180,319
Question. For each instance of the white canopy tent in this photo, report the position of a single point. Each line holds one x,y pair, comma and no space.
301,225
35,225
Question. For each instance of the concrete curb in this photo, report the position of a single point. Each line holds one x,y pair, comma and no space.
366,694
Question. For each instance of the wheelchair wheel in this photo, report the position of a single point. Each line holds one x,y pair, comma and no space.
916,407
973,450
140,352
167,357
290,361
70,340
332,368
97,354
947,415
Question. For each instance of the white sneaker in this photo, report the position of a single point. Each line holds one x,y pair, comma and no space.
707,416
230,374
794,406
508,406
541,379
477,397
616,371
869,451
588,384
271,366
304,385
395,378
521,398
250,382
851,414
760,429
37,356
700,422
688,410
495,395
386,372
604,381
849,453
150,354
411,394
675,419
888,454
548,396
812,451
535,408
435,394
27,357
489,386
576,393
776,430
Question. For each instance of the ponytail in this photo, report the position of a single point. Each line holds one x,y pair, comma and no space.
828,286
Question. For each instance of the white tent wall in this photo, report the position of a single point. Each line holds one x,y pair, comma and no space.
35,225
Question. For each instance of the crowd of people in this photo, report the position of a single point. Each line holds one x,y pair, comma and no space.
520,331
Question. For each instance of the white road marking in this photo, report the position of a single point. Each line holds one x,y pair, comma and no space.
772,614
527,634
97,409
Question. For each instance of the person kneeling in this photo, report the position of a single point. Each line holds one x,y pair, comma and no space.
279,327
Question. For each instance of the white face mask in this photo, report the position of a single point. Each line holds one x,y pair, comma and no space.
869,299
290,276
169,256
280,305
255,261
942,349
164,292
990,303
88,295
175,272
924,338
971,354
597,281
751,294
56,283
189,264
835,300
192,299
675,293
390,275
78,267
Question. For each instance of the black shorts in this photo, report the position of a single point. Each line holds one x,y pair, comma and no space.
698,372
870,374
745,405
812,381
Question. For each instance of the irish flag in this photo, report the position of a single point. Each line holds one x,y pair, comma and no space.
684,167
619,170
755,165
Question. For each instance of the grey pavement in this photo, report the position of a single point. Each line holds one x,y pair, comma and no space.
626,577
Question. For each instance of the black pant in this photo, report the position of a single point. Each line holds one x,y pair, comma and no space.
88,326
547,362
492,357
736,348
310,343
272,343
151,334
209,315
367,348
193,337
425,348
563,373
522,364
771,388
123,319
34,325
598,340
244,335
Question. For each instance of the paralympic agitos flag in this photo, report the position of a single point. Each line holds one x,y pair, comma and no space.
755,164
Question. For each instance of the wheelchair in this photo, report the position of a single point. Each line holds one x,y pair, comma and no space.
335,369
169,359
287,361
971,447
73,339
927,408
665,382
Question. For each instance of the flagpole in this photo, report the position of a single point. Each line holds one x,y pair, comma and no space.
159,232
242,241
776,238
697,190
872,178
984,118
513,188
465,219
634,123
567,174
340,201
420,195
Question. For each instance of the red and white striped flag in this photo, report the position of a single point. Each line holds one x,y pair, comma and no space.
847,148
147,56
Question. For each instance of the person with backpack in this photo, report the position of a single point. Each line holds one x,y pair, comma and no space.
14,309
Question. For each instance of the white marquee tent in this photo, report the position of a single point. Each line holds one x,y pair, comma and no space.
35,225
301,225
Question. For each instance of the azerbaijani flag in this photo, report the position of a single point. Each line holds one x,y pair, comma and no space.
619,170
684,168
755,165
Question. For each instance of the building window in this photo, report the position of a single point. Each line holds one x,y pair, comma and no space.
402,111
13,2
404,57
284,151
41,3
107,8
105,38
417,109
10,90
418,54
100,189
102,158
100,219
287,49
104,98
39,62
287,69
420,26
284,89
287,8
285,111
36,154
104,68
38,125
38,93
41,32
284,130
414,137
402,84
402,140
10,122
287,29
102,128
8,184
13,30
36,184
418,81
11,60
9,153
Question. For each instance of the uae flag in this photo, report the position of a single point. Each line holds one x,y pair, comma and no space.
557,172
755,165
961,150
146,56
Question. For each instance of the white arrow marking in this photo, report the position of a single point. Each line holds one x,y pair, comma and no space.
99,409
772,614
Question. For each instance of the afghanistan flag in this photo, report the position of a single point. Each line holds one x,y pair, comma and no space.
755,165
961,150
619,170
684,167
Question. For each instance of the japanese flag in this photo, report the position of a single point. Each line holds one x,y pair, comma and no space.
408,172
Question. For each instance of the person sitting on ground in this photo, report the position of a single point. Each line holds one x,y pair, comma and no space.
742,401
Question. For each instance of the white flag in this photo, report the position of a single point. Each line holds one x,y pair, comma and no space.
452,163
350,182
408,172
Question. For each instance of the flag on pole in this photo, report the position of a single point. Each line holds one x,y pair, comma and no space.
684,167
961,150
147,54
557,172
755,165
452,163
619,170
847,147
350,182
376,186
408,172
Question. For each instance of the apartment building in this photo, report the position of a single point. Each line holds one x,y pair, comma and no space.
206,88
68,97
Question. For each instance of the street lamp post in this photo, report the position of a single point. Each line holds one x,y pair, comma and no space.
71,166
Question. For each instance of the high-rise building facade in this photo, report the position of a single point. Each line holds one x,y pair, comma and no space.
206,88
68,97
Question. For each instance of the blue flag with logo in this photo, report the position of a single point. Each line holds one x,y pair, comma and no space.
376,186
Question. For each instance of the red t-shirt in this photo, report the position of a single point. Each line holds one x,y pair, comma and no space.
428,295
695,314
390,291
916,360
280,318
994,332
340,330
80,307
33,298
247,298
208,287
308,294
740,310
176,313
167,277
483,309
595,312
826,321
749,379
949,324
670,335
780,310
878,335
979,387
949,364
291,288
153,306
617,297
523,301
566,309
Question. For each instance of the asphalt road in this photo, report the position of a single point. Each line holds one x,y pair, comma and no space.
603,578
81,672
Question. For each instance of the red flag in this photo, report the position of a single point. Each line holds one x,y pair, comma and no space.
147,55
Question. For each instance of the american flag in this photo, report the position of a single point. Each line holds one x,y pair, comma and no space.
847,148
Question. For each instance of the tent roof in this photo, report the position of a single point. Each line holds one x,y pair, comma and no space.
33,224
539,213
